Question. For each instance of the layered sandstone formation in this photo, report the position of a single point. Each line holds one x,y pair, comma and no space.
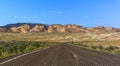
21,29
26,28
38,28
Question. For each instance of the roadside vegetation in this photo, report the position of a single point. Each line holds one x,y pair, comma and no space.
104,46
59,37
16,43
12,48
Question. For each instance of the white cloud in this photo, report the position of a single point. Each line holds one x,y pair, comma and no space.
15,16
54,11
25,17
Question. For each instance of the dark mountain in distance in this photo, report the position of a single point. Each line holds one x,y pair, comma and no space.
19,24
37,27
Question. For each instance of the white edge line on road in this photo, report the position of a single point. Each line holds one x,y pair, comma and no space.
21,56
17,57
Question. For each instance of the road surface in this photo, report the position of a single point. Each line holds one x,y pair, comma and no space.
65,55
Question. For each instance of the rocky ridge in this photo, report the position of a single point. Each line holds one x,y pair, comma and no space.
30,27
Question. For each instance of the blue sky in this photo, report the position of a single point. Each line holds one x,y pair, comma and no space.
87,13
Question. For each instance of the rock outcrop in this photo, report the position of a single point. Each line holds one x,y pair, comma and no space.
100,29
21,29
56,28
74,28
26,28
39,28
96,29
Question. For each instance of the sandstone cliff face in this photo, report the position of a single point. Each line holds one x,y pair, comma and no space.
74,28
100,29
13,29
56,28
21,29
26,28
66,28
39,28
96,29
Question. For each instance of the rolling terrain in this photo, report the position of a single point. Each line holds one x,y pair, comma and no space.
91,46
65,55
54,28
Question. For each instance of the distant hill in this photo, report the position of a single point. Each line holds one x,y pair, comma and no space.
19,24
37,27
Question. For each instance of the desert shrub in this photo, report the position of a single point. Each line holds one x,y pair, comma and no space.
112,47
100,47
18,47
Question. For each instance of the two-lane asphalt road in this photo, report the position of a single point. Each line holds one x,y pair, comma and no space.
65,55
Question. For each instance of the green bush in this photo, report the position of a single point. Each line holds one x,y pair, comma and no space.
19,47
